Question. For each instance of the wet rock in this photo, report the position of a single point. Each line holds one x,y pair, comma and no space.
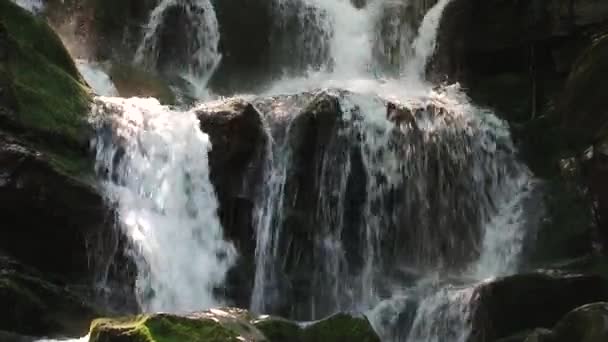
583,106
36,306
11,337
512,304
227,324
244,30
492,45
237,159
132,81
216,325
59,224
585,324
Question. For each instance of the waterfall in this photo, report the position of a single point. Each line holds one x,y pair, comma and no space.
201,39
426,40
405,219
34,6
96,77
156,168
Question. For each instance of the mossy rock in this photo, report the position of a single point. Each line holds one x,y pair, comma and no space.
226,325
36,306
48,101
340,327
132,81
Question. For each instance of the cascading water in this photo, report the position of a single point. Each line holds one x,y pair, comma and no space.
156,166
34,6
447,194
96,77
408,214
199,43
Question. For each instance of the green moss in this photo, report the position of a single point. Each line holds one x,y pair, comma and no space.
340,327
48,101
131,81
160,328
34,33
278,330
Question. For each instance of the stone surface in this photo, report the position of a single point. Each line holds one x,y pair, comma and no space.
226,325
35,306
513,304
237,159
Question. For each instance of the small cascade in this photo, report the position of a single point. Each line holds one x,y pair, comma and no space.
34,6
156,171
418,196
182,33
97,78
426,41
332,36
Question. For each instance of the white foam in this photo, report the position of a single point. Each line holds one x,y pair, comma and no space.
158,166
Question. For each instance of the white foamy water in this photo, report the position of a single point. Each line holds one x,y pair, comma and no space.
82,339
202,41
97,78
426,41
34,6
158,176
456,169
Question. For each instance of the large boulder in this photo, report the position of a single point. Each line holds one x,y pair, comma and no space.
54,217
588,323
237,159
517,303
583,105
49,98
583,121
134,81
338,327
36,306
227,325
501,48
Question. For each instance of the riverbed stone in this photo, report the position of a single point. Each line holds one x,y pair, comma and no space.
506,306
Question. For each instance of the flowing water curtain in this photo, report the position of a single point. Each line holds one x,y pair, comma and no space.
181,32
156,168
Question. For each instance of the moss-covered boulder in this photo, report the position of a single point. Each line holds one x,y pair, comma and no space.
225,325
35,306
49,100
132,81
228,325
340,327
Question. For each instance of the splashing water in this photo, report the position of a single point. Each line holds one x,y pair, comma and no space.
202,40
34,6
157,168
425,43
96,77
441,194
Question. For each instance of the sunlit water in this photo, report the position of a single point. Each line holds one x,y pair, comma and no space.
156,171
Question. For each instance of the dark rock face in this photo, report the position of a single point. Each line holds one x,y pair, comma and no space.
54,220
517,303
501,48
47,211
587,324
239,145
38,307
244,44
